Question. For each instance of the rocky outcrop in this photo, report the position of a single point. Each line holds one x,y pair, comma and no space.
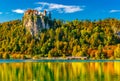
35,21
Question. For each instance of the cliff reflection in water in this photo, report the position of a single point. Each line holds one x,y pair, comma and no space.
58,71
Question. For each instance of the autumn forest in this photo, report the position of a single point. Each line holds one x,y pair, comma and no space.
98,39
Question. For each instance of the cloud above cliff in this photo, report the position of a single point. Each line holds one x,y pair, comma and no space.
19,11
39,8
0,12
60,7
114,11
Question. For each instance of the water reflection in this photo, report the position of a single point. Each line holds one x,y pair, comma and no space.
60,71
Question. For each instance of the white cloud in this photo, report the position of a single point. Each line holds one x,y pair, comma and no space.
72,9
60,7
0,12
38,8
43,3
114,11
19,11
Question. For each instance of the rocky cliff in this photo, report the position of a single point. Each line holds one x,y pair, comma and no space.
35,21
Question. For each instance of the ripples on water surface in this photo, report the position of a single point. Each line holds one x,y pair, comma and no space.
59,70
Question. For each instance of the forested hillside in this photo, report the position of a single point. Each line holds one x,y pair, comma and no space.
94,39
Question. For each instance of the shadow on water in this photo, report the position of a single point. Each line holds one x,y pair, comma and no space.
52,60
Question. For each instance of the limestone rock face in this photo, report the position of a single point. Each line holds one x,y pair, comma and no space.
35,21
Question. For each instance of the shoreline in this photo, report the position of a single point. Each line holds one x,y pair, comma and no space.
38,57
55,60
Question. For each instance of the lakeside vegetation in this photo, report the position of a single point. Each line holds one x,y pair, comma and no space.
80,38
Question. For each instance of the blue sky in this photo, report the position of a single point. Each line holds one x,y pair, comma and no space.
61,9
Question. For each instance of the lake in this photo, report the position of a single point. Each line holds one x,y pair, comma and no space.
59,70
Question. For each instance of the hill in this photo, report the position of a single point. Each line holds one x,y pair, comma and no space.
93,39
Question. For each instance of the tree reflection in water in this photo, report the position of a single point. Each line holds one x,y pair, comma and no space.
60,71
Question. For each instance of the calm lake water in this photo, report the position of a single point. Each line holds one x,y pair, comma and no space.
51,70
